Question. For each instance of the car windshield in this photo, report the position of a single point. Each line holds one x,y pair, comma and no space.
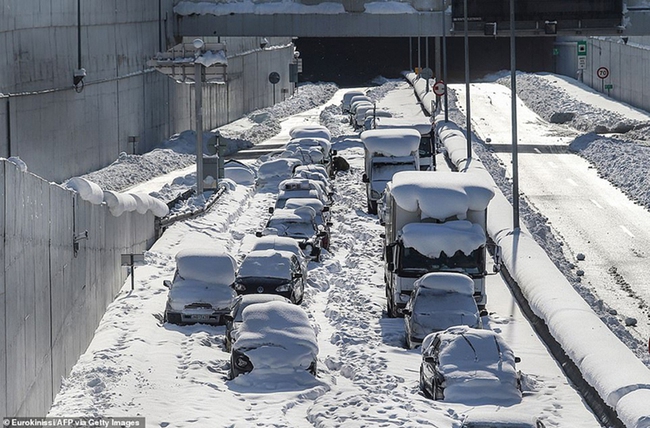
425,148
412,262
254,281
293,229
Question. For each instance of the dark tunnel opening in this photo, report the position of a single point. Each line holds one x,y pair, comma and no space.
357,61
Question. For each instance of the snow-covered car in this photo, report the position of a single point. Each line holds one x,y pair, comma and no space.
312,130
468,365
315,174
347,98
282,243
500,419
234,318
274,337
277,169
201,291
301,188
239,172
299,224
271,272
322,215
439,300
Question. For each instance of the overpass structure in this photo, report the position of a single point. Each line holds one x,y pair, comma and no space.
410,18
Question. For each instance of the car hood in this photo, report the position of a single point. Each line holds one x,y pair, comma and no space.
187,292
424,323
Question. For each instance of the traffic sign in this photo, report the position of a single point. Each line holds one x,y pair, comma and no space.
582,48
602,72
274,77
439,88
582,63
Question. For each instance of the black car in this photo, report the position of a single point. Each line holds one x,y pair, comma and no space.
276,338
234,318
468,365
271,272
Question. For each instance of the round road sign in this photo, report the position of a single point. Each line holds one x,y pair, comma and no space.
439,88
274,77
602,72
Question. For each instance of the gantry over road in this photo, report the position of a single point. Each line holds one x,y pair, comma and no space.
430,18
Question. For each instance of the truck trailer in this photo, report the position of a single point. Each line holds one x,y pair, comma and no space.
434,222
387,151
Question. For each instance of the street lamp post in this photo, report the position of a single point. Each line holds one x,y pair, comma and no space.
198,107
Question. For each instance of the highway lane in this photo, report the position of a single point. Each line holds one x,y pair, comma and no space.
588,214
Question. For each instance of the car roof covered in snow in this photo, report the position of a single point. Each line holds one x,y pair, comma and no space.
391,142
212,265
267,263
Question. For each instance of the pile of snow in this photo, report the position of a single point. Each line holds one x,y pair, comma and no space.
423,190
212,264
118,203
269,263
431,239
279,168
391,142
449,282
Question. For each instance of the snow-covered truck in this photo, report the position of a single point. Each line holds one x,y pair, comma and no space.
434,222
387,151
425,128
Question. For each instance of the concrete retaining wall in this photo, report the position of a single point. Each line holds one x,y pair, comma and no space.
60,132
628,65
51,299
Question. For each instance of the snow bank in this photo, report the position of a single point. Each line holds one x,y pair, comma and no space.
249,7
424,190
212,265
267,264
88,191
240,175
391,142
430,239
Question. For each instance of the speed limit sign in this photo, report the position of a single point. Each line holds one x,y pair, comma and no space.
602,72
439,88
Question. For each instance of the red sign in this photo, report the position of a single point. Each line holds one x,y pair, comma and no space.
439,88
602,72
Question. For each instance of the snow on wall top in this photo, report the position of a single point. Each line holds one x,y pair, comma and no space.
211,265
441,195
391,142
430,239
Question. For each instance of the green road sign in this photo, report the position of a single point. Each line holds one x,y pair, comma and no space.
609,87
582,48
556,51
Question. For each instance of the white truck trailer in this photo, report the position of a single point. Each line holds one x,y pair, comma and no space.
387,151
434,222
425,127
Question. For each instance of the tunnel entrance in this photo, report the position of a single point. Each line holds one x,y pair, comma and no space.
357,61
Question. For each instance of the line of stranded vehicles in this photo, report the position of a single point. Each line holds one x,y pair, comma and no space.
434,255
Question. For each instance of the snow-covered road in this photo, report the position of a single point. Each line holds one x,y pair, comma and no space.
176,376
588,214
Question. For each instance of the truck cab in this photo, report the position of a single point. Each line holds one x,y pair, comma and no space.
387,151
434,222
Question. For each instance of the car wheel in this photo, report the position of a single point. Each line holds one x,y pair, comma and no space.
423,385
372,207
436,390
173,318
